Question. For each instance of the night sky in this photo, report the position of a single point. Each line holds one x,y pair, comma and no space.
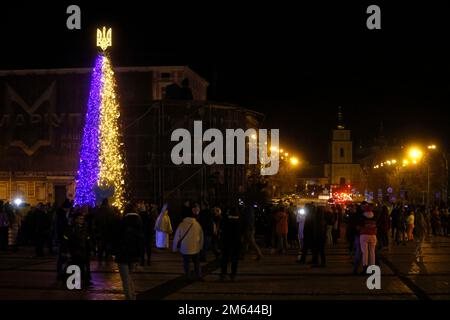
295,63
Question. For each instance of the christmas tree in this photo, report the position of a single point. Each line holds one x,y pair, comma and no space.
102,163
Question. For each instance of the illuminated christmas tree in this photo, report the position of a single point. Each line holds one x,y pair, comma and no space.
102,163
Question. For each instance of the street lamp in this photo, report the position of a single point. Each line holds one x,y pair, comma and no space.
294,161
415,153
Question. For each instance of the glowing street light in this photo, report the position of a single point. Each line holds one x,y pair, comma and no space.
432,147
415,153
294,161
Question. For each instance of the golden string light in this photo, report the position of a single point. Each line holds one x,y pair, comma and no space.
111,155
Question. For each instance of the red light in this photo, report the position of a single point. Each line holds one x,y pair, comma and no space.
349,186
341,197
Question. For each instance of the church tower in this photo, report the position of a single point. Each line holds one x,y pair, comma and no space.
341,144
341,171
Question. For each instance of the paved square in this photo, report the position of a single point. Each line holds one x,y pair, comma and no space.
275,277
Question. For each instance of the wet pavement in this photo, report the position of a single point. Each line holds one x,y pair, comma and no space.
274,277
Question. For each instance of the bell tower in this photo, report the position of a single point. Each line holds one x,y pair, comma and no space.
341,144
341,170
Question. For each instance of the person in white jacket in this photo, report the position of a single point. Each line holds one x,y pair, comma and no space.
163,229
189,241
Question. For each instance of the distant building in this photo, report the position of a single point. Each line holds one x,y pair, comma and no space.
41,121
342,171
390,179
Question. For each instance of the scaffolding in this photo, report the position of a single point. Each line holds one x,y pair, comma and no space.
152,174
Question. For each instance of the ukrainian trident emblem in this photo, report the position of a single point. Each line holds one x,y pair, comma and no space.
104,38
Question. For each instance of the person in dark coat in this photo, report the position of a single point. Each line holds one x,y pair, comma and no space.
268,227
231,234
319,237
76,245
217,221
383,225
128,248
292,227
396,218
401,227
330,219
41,226
356,220
103,221
148,223
61,225
337,225
350,229
308,232
206,220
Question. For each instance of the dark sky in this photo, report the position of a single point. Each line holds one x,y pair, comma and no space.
294,62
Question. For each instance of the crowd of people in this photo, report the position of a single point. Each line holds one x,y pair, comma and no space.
77,235
368,229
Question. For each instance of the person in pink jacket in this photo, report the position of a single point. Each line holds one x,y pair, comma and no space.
368,237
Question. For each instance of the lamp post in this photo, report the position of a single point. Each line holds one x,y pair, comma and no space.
414,155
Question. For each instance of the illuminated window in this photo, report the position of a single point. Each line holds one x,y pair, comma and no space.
21,189
31,191
3,191
41,188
